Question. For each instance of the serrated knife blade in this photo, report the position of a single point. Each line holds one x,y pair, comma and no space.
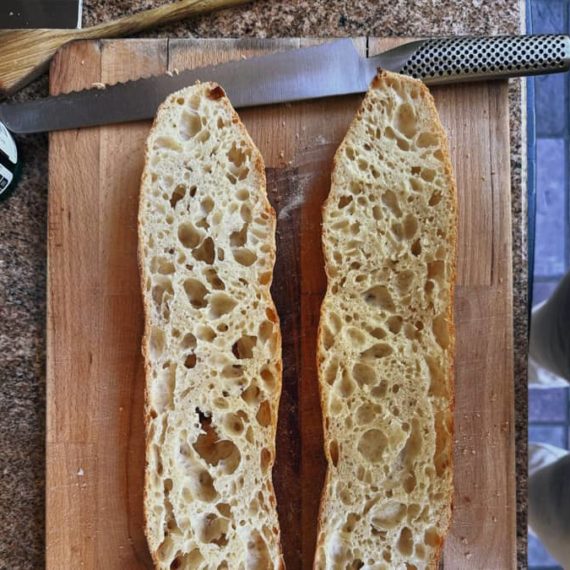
326,70
333,68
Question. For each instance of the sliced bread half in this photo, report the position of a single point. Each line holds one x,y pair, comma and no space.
386,336
212,344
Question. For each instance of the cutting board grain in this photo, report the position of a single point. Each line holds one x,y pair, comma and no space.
95,454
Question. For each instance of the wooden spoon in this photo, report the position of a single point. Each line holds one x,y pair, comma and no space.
25,54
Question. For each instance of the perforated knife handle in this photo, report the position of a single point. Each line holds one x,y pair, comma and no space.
449,60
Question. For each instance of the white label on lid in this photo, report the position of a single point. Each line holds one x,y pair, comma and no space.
7,144
5,178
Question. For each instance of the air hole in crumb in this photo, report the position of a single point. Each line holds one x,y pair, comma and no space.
438,382
251,395
379,350
265,278
372,444
239,238
265,331
243,348
365,414
427,139
177,195
188,342
202,137
221,304
346,386
258,556
264,414
265,459
242,194
410,332
213,279
406,120
435,198
190,125
387,515
162,290
207,205
378,333
224,509
213,530
356,336
271,315
402,144
436,270
406,542
233,424
409,483
331,371
417,185
190,361
232,371
237,156
404,281
245,213
157,342
432,538
189,235
215,451
205,252
395,324
167,143
410,226
379,296
202,486
205,333
363,374
268,378
416,248
334,452
245,256
196,293
441,331
390,200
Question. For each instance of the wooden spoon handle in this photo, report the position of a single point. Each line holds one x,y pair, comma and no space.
157,16
24,54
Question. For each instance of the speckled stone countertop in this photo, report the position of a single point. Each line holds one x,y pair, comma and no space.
23,223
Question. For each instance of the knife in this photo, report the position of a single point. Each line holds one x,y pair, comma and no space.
331,69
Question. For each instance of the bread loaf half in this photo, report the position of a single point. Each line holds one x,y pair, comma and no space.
386,336
212,344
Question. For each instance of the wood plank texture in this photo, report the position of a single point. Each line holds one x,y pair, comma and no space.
95,454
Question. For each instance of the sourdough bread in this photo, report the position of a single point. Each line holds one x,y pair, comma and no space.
212,343
386,336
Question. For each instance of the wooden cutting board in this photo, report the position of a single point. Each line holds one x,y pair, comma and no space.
95,379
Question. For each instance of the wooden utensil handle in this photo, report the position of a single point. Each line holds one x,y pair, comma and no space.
157,16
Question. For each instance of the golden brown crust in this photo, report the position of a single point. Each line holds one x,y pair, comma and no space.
381,81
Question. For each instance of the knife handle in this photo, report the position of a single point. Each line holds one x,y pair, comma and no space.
450,60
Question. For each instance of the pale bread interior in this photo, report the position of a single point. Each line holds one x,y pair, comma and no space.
386,337
212,341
